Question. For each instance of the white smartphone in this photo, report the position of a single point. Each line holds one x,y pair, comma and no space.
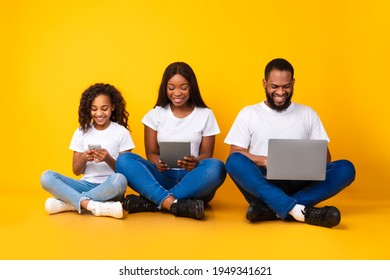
94,147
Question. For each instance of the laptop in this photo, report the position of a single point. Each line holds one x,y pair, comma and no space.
297,159
171,152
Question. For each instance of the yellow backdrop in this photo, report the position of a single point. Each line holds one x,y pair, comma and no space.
51,51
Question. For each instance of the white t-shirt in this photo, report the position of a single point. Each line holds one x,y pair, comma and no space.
201,122
258,123
115,139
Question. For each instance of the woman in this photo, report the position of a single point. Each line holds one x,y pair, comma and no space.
180,114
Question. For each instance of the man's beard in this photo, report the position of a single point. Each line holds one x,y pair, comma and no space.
275,107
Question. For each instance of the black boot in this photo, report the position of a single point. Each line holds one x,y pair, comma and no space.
191,208
134,203
259,211
328,216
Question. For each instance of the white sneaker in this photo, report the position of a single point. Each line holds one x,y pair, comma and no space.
112,209
54,205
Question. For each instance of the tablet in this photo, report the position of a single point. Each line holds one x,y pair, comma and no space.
171,152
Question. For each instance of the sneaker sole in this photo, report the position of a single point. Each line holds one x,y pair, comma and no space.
199,213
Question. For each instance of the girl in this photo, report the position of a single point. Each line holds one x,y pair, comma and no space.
180,114
103,134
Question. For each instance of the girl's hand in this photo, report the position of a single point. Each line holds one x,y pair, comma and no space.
161,166
188,163
99,155
89,155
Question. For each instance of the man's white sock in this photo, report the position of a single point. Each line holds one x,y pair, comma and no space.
297,212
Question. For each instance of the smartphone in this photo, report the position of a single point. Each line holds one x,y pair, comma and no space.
94,147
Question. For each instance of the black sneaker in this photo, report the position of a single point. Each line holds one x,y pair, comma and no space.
134,203
259,211
328,216
191,208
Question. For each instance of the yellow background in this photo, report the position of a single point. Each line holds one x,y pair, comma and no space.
51,51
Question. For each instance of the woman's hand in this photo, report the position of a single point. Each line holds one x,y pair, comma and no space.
188,163
161,166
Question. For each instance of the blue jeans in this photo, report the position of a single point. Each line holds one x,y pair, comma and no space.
74,191
281,195
143,176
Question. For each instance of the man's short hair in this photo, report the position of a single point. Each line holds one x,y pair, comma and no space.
279,64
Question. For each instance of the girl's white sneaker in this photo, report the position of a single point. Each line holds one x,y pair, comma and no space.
54,205
110,208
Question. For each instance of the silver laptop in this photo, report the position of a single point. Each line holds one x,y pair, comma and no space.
297,159
171,152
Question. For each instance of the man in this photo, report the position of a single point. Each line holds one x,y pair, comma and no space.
279,117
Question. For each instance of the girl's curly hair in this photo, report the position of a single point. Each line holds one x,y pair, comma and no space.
119,115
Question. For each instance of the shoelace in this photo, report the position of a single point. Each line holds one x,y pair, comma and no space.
64,205
314,215
104,208
140,204
188,208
